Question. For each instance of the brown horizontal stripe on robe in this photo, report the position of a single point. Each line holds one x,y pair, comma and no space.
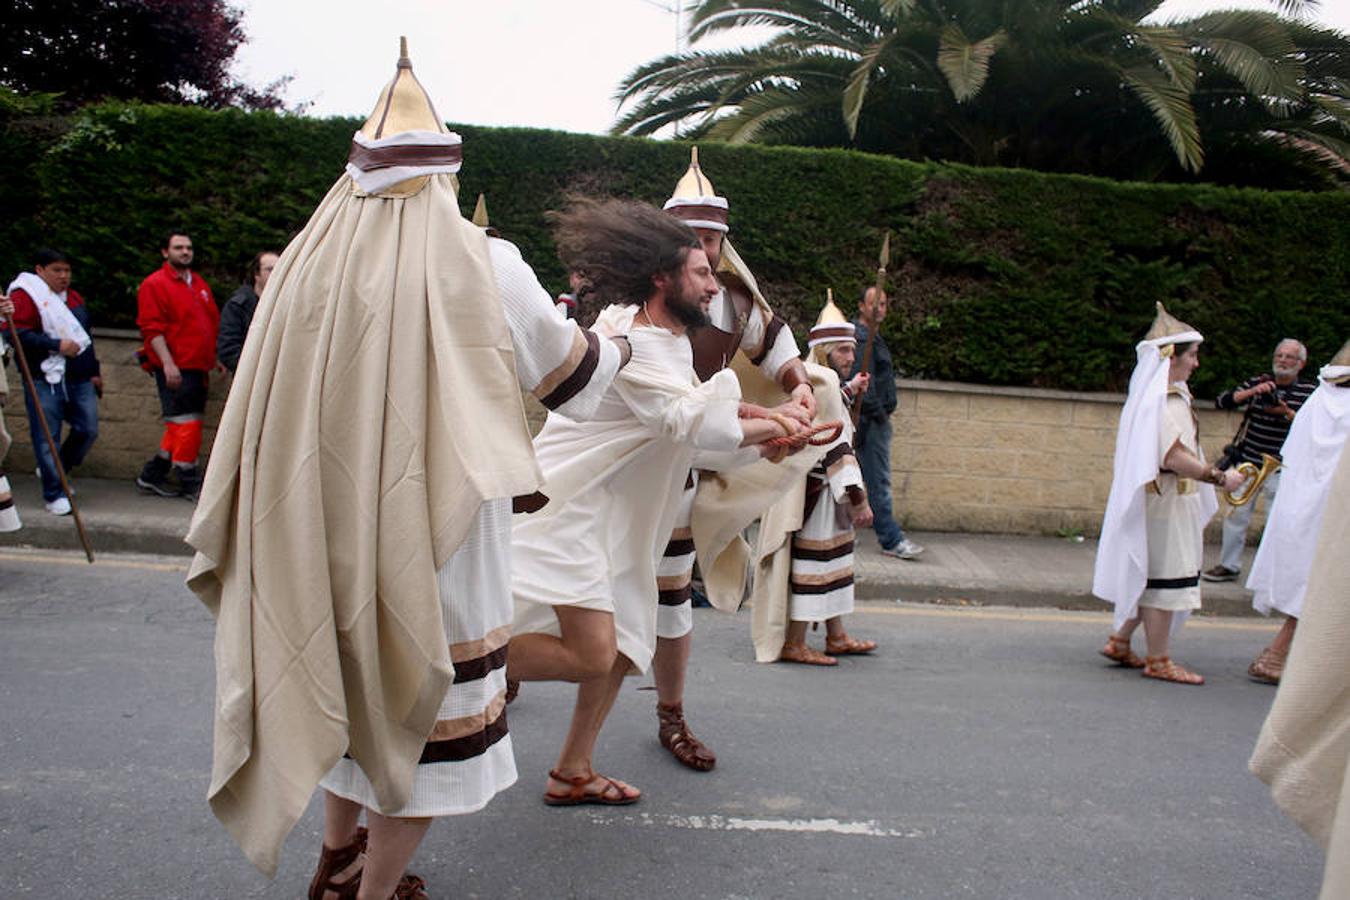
573,373
817,555
801,584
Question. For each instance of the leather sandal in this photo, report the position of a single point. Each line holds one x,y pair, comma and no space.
1163,669
577,795
800,653
845,646
675,736
1118,650
1268,667
335,862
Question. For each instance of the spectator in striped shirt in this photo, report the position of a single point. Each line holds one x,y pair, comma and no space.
1271,401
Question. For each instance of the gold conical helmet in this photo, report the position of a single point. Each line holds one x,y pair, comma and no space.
695,201
1338,370
1167,330
404,141
404,104
480,213
832,325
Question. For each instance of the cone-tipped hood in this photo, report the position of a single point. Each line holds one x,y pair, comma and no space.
404,104
695,201
832,325
1167,330
480,213
404,141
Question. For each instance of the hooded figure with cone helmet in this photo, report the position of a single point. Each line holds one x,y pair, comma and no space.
353,531
1162,494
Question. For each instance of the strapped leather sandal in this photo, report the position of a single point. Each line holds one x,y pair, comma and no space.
1268,667
1118,650
845,646
800,653
1163,669
335,862
577,795
675,736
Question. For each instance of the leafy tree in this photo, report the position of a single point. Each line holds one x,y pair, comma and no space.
1087,86
167,51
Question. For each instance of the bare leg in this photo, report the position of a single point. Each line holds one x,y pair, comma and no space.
595,698
1157,629
1285,637
834,628
391,847
1127,630
340,817
669,666
586,649
796,633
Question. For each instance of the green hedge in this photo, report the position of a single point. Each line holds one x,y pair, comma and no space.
1002,276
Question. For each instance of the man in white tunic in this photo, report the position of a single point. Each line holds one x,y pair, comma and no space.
1148,559
352,536
740,323
585,578
835,503
1311,452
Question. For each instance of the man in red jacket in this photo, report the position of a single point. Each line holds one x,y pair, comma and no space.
178,319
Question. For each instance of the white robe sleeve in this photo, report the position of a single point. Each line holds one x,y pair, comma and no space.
566,367
657,386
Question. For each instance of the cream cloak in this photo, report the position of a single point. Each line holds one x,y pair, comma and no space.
1303,751
375,408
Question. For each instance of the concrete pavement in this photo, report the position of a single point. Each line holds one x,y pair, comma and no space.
955,569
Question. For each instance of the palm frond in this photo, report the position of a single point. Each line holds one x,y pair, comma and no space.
1254,47
1325,149
1171,109
759,112
855,93
965,63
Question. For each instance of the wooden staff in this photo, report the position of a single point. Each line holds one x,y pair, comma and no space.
51,442
884,261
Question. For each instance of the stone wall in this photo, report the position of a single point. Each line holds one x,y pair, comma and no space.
1013,460
965,457
129,426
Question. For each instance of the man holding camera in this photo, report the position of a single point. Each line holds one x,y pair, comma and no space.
1272,399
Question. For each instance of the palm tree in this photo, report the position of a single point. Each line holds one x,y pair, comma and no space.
1076,85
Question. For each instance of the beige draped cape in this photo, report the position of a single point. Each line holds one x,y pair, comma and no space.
1303,752
726,504
374,409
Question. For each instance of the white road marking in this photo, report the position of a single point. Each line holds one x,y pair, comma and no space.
736,823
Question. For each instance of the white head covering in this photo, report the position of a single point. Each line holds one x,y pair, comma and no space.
1121,569
831,329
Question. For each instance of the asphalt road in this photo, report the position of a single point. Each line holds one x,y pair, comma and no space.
980,753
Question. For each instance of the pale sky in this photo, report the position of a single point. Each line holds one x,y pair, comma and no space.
538,63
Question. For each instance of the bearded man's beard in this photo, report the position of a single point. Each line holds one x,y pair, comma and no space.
1285,373
687,308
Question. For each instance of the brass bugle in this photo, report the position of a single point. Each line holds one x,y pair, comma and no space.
1254,478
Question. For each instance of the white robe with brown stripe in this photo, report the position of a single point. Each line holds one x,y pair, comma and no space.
822,551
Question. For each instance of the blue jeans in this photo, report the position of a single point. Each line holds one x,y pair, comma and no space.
75,404
873,447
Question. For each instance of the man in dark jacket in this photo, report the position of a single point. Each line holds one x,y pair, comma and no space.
53,326
873,442
237,313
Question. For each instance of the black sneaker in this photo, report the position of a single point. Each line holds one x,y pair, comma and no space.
154,478
1220,573
189,481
